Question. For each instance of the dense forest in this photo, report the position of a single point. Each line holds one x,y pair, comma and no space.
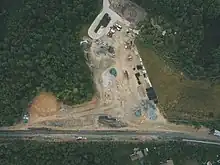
100,153
185,33
40,51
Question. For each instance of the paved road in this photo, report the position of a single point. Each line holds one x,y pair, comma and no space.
114,18
99,135
200,141
106,134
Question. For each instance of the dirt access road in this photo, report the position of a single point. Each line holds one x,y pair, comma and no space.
118,96
107,135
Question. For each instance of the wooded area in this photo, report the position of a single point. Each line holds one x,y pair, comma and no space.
102,153
40,51
185,33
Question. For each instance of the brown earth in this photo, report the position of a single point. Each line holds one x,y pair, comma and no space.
44,104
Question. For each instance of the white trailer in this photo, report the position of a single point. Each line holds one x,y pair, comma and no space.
119,26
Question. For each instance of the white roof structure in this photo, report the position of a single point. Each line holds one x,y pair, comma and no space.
164,32
209,163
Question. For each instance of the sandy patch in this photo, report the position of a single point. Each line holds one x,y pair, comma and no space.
45,104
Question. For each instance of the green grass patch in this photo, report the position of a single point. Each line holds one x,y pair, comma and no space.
179,97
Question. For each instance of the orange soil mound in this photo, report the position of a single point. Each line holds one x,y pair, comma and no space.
45,104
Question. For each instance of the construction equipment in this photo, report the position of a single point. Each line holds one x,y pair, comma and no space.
126,74
130,57
110,34
128,45
118,27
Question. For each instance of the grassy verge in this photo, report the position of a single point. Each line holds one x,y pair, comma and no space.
179,97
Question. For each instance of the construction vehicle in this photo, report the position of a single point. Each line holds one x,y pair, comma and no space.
130,57
118,27
126,74
109,34
112,30
139,67
141,61
128,45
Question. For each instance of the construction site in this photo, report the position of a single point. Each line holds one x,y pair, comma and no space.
125,97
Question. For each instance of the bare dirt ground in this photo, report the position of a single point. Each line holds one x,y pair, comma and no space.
128,10
45,104
118,96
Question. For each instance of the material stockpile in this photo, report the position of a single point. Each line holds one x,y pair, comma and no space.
151,110
146,107
108,97
107,79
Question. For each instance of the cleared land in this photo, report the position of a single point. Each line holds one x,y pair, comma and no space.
118,96
121,95
181,98
40,51
190,44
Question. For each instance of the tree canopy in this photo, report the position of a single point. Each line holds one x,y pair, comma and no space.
98,153
40,51
186,33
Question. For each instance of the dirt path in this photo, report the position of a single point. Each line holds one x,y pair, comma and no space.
118,99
